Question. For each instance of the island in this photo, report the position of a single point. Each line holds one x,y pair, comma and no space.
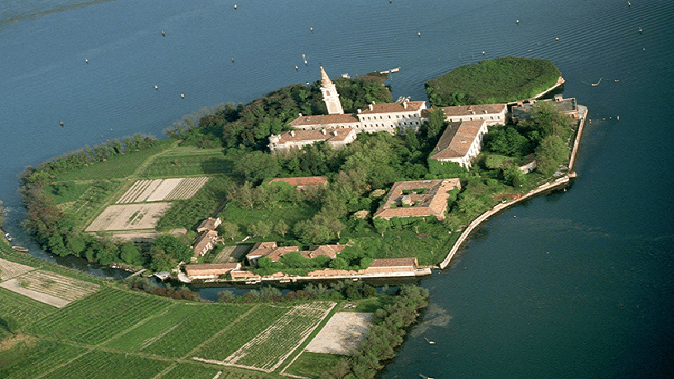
327,181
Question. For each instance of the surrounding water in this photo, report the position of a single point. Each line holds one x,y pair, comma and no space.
576,284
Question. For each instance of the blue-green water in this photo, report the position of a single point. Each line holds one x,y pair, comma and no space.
577,285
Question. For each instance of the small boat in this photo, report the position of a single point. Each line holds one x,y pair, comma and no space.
424,376
20,249
429,341
597,83
163,34
182,95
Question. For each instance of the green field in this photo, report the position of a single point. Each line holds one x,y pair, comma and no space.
233,338
184,337
23,309
196,371
31,362
100,364
99,316
187,162
116,167
312,365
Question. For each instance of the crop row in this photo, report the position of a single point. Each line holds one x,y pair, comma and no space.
132,193
197,371
196,329
187,188
58,286
100,316
232,339
9,269
42,359
23,309
271,347
145,334
184,165
103,365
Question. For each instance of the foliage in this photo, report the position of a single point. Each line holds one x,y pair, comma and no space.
499,80
189,213
507,141
550,154
315,365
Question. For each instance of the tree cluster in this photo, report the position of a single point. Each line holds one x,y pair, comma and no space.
387,332
500,80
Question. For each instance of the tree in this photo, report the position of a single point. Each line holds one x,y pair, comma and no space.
507,141
436,122
550,154
131,254
228,230
174,247
281,228
260,229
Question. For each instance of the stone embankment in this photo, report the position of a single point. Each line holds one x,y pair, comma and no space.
558,183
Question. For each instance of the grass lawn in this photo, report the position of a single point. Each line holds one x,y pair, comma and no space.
182,161
23,309
312,365
290,214
116,167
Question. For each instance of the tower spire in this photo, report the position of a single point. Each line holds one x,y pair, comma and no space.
330,95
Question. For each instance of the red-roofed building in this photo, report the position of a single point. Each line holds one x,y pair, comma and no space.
391,116
205,242
298,138
424,197
460,142
275,252
209,224
492,114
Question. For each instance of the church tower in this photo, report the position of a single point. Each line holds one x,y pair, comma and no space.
330,95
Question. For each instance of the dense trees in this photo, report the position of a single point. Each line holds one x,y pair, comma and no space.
499,80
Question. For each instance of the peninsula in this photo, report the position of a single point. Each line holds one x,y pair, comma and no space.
330,180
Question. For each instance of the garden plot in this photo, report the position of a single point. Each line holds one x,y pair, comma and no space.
129,217
9,269
269,349
50,288
162,189
342,334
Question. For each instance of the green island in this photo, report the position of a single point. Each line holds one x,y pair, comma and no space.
493,81
330,180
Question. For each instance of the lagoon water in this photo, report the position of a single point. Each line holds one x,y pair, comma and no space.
573,284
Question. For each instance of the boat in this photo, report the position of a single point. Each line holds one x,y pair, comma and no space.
390,71
19,248
429,341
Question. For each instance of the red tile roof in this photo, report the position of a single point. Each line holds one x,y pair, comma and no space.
342,119
456,139
201,246
332,135
433,202
398,106
395,262
466,110
302,181
209,224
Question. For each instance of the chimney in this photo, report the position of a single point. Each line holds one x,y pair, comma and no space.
370,106
334,133
300,114
292,133
359,111
405,104
325,132
485,111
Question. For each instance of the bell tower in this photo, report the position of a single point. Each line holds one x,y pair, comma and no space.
330,95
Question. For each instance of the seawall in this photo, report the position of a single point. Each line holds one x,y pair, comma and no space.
558,183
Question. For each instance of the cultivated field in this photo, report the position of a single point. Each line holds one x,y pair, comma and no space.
271,347
9,269
342,334
64,288
102,364
100,316
129,217
162,189
21,308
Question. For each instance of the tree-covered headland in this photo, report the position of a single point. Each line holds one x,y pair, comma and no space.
500,80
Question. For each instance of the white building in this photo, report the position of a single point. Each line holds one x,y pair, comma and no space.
493,114
460,142
298,138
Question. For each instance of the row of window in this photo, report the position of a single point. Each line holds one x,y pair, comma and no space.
389,116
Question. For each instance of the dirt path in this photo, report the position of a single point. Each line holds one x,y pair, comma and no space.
14,286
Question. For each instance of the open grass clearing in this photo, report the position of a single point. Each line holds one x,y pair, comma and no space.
129,217
313,365
188,162
342,334
9,269
116,167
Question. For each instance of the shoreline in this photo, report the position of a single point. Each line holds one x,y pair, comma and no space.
557,183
